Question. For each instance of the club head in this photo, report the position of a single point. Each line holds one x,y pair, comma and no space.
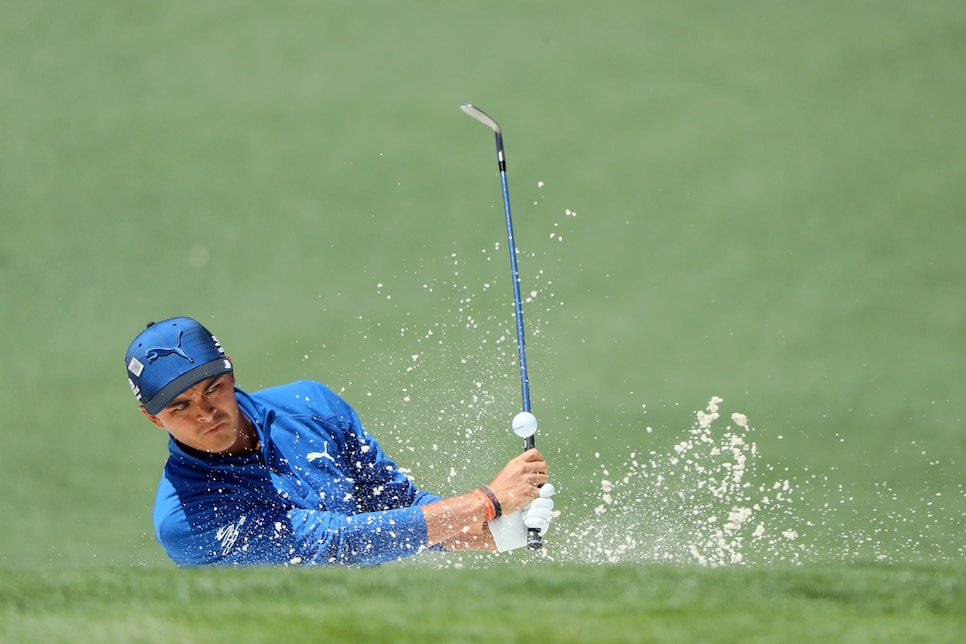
480,116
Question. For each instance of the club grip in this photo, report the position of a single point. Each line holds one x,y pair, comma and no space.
534,540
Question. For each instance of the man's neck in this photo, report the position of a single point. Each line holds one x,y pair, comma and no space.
247,442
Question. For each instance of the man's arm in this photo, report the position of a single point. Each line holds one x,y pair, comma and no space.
252,527
244,534
459,522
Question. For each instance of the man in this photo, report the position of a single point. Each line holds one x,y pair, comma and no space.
288,475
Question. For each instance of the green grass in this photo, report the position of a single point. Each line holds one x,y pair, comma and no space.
768,200
501,603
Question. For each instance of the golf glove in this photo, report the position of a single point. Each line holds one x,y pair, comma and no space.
510,531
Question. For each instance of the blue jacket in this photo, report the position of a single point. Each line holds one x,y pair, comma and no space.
321,491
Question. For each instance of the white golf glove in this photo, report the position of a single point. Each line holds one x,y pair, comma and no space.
510,531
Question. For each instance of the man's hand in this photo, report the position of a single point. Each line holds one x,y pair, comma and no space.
460,522
510,531
519,482
540,511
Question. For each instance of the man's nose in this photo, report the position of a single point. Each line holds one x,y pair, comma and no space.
206,409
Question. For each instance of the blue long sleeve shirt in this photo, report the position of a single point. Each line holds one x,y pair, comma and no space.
320,491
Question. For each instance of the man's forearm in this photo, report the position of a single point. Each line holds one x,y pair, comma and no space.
458,523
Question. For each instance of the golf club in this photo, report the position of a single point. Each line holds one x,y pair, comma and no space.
524,424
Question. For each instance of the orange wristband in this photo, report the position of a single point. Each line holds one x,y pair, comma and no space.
488,506
497,508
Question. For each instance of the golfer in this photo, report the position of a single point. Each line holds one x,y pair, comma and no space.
288,476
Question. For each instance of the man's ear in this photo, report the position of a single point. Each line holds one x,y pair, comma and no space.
154,419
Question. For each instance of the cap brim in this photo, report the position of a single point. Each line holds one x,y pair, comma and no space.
186,381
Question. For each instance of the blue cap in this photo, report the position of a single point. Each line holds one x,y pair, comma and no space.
170,357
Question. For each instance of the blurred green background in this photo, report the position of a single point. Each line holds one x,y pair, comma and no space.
760,200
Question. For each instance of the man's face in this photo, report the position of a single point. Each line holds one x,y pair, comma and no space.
205,417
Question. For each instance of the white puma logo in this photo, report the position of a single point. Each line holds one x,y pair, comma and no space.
314,456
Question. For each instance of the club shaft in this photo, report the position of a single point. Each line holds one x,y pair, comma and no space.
517,297
534,540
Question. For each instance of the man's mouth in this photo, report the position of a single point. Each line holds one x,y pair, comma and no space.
214,428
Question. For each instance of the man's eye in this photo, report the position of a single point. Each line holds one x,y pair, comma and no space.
212,389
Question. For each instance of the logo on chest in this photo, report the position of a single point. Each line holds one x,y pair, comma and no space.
314,456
